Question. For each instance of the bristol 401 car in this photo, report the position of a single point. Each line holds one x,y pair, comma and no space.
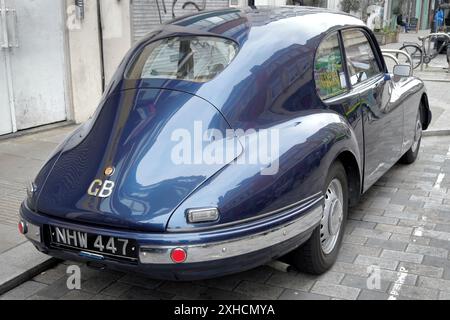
225,140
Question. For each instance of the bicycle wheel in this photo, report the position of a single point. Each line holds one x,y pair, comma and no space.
416,55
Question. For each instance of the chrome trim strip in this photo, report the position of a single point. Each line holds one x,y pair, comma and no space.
94,256
309,202
235,247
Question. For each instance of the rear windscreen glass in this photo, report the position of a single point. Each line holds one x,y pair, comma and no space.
190,58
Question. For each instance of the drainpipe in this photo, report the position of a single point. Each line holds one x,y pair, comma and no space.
100,42
7,47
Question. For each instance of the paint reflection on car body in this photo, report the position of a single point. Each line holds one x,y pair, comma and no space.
270,84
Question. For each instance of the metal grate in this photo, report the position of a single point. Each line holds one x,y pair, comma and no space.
144,13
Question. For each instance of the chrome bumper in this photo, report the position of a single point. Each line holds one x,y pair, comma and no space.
235,247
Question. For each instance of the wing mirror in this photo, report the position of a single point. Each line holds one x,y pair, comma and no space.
402,70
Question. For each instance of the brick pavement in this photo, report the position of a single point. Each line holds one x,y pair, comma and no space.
402,224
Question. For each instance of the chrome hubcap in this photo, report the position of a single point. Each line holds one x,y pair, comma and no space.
333,215
417,135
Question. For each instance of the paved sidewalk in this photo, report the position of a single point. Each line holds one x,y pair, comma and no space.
436,65
437,82
20,159
402,226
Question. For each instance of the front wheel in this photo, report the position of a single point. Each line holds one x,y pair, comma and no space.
320,252
416,55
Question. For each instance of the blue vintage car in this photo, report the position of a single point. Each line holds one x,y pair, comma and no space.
132,189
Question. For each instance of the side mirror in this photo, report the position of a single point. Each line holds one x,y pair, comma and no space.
402,70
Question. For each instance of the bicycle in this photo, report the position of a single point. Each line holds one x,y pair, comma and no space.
420,54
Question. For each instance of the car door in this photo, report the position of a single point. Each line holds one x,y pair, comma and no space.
332,84
382,120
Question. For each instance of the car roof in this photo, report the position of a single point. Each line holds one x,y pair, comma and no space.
236,22
272,76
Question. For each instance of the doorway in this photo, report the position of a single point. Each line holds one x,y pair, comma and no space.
32,64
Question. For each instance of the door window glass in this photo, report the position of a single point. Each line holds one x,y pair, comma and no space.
361,60
328,68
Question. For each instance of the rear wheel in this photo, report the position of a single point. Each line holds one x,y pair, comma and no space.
411,155
319,253
416,55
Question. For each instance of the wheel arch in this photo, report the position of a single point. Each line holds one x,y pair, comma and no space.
353,172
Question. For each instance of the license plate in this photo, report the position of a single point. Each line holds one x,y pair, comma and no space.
101,246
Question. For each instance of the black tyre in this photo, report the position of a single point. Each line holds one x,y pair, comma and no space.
416,55
448,55
320,252
411,155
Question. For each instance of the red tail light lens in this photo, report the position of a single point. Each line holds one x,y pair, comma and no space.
178,255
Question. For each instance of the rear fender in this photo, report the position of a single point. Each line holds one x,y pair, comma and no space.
308,146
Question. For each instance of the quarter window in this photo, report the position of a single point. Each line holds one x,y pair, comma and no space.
328,68
361,60
190,58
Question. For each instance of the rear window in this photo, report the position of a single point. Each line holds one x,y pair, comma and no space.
190,58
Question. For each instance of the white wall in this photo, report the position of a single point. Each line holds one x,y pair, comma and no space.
270,2
85,62
334,4
85,53
116,34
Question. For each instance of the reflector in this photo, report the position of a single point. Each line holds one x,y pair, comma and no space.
178,255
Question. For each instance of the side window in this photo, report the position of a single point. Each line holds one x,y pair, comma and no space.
361,61
328,68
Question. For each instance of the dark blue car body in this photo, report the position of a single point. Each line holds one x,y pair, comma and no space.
269,84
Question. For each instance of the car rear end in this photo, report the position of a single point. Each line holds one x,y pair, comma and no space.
109,193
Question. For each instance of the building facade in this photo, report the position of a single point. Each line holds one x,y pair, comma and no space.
56,57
